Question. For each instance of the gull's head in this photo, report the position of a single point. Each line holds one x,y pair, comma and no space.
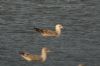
59,26
45,49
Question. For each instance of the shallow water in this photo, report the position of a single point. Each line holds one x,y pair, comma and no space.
78,43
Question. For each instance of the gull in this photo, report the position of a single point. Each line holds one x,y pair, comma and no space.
34,57
48,32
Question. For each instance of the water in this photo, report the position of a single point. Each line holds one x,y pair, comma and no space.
79,42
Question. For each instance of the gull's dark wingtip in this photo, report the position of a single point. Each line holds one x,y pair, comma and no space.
21,52
38,30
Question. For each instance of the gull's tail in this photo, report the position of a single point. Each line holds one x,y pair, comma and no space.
38,30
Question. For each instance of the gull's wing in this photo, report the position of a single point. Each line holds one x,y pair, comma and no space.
45,31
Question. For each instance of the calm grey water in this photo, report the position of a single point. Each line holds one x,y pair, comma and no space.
79,42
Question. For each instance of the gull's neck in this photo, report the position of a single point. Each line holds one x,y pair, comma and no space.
43,55
58,30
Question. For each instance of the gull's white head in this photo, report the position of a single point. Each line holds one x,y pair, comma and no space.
59,26
44,49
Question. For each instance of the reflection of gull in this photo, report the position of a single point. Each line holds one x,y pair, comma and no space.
47,32
31,57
